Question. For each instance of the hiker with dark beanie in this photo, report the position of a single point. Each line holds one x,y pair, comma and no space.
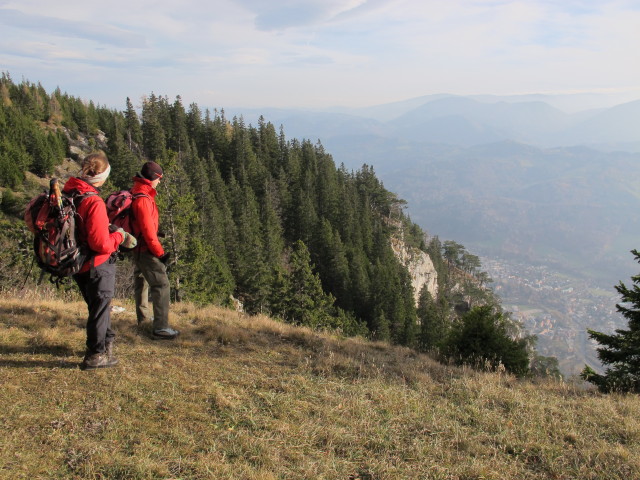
96,278
149,257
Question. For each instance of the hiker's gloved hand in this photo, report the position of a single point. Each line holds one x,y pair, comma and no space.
128,240
165,258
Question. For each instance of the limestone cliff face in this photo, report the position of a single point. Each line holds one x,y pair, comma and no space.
419,265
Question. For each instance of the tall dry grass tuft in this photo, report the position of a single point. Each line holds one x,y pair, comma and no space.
252,398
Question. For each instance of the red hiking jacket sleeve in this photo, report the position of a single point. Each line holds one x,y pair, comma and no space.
96,227
93,224
146,218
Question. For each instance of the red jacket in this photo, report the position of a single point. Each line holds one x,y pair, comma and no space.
145,217
92,227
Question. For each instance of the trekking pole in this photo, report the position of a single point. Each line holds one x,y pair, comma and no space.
28,273
54,191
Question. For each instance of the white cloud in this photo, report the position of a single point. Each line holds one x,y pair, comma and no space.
35,24
321,52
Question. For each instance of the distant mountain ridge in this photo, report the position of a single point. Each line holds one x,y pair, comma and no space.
469,121
529,175
425,148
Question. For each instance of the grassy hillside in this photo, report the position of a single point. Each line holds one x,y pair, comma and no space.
249,398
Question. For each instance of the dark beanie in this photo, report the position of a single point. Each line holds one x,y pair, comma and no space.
151,171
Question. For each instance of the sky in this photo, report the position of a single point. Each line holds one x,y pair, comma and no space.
320,53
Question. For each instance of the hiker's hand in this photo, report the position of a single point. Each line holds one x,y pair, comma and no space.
165,258
128,240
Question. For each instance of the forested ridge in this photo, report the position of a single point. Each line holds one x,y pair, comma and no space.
247,214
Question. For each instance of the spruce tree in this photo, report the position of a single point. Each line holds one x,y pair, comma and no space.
305,301
248,264
481,339
432,322
620,352
13,161
124,163
153,132
43,152
133,130
178,220
55,111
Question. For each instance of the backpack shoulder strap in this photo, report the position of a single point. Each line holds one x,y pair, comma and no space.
134,197
139,195
77,197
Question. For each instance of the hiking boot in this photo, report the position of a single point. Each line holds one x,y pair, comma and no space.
98,360
108,351
165,333
142,320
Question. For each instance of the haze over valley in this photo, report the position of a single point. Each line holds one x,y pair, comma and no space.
546,192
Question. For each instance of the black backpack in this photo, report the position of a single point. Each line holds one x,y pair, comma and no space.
51,217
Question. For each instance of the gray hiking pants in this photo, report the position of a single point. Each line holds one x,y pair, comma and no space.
97,287
151,280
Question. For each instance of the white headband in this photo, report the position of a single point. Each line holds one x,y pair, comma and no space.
97,178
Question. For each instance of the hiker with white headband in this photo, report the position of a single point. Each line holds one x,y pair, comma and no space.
96,278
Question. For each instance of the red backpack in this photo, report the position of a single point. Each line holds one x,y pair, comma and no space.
51,217
119,208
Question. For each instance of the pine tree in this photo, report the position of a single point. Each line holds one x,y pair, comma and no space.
14,157
409,326
133,130
452,252
305,303
178,220
5,94
208,278
13,162
542,366
251,272
153,132
268,147
432,322
272,232
124,163
44,152
481,339
55,111
332,262
218,225
196,130
620,351
380,321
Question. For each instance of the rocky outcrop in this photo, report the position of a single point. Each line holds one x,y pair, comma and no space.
80,145
420,267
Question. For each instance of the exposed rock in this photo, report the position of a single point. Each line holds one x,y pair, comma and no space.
238,306
101,139
76,153
420,267
68,168
80,144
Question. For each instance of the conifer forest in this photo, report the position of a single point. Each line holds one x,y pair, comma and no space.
247,214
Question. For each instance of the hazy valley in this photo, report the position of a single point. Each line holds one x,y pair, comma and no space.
531,183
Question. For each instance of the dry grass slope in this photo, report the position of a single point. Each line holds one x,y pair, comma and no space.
249,398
